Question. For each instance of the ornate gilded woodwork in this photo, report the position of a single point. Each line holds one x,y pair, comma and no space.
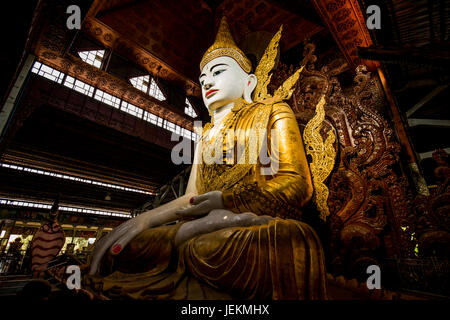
368,195
432,212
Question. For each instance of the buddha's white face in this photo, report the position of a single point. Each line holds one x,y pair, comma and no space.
223,81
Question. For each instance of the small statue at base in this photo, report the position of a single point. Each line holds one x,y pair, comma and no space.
240,234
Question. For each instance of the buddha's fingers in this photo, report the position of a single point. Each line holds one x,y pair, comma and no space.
104,244
124,240
95,261
199,198
199,209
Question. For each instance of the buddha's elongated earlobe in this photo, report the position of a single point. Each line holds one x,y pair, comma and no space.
249,87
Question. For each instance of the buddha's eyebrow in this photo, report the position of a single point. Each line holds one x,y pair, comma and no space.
216,65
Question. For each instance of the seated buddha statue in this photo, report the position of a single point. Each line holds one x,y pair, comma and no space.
237,231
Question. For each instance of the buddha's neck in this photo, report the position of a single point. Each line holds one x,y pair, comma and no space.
218,115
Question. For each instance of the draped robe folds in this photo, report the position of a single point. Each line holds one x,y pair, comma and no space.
282,259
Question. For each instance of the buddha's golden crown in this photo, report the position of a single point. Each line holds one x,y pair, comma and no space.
224,45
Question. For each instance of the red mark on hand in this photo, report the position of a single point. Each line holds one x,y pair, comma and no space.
116,249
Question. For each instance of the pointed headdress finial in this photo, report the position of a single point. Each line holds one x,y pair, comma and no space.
55,205
224,45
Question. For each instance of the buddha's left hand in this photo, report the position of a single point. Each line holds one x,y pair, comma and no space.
203,204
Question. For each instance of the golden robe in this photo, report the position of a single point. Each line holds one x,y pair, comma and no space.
282,259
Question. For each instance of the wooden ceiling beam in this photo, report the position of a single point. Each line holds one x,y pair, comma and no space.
45,188
118,7
296,8
102,80
428,122
51,48
425,100
347,24
114,40
429,154
62,165
407,55
418,83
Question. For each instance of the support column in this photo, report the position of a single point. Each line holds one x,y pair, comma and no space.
9,109
419,181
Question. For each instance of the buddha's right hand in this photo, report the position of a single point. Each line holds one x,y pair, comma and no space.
117,239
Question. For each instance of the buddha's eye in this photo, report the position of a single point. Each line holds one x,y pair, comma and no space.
218,72
202,82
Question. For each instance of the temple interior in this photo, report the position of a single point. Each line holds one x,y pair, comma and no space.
89,113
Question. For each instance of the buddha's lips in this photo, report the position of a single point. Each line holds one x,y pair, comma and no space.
210,92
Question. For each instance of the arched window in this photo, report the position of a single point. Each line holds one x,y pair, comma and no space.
189,110
148,85
93,57
141,83
155,91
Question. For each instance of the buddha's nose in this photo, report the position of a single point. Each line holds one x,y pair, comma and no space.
207,86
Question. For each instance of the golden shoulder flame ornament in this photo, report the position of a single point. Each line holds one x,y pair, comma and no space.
322,154
263,74
264,67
